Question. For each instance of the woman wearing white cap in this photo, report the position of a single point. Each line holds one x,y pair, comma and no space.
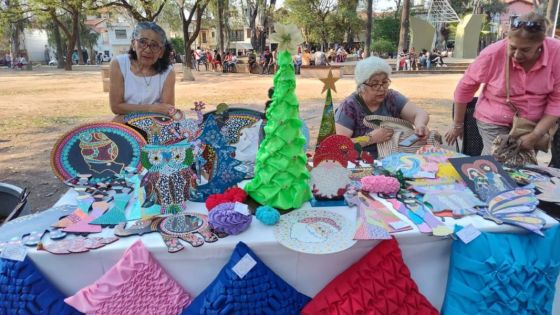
373,97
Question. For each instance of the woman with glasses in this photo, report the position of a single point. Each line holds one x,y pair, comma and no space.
143,80
534,84
373,97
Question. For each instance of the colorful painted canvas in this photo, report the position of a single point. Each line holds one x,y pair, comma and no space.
455,197
411,165
100,149
169,175
483,175
215,165
246,148
315,232
515,207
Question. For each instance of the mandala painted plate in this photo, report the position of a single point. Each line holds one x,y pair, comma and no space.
100,149
315,232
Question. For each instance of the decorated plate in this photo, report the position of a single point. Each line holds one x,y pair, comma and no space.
100,149
315,232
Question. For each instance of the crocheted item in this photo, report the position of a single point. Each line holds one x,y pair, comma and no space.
381,184
260,291
135,285
24,290
379,283
268,215
503,273
233,194
224,218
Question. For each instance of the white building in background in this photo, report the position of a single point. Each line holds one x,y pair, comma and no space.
115,33
34,41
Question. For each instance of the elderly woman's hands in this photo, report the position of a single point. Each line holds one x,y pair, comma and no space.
380,135
163,108
422,131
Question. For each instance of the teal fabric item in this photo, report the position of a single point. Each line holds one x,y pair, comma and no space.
260,291
503,273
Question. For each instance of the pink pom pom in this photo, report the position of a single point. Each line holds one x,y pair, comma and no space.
381,184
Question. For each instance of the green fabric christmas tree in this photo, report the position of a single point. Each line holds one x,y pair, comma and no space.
281,177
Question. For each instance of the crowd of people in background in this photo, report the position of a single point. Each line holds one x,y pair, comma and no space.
425,59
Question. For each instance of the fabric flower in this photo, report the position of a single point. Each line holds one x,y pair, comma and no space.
288,37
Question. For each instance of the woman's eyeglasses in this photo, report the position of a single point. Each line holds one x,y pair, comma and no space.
377,86
144,42
527,25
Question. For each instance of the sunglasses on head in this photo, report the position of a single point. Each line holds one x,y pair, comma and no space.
527,25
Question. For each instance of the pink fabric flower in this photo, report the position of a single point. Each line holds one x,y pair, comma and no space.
380,184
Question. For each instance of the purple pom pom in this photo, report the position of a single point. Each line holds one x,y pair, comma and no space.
223,218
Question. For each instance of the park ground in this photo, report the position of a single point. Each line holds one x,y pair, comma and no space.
37,107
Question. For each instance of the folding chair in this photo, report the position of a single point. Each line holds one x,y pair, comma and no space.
472,141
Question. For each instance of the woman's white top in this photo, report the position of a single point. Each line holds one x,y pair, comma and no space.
141,90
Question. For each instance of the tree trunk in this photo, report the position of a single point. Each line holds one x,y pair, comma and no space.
368,27
403,36
59,49
221,37
81,60
253,10
15,41
552,15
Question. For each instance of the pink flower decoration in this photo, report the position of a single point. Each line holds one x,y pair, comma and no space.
380,184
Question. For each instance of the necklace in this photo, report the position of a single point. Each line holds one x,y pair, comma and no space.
147,82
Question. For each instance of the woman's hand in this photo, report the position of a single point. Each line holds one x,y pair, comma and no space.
454,132
380,135
529,141
163,108
422,132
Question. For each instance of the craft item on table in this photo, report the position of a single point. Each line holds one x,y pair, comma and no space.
30,229
184,226
76,216
550,191
136,284
100,149
215,165
267,215
437,154
336,147
447,171
515,207
246,148
245,285
503,273
281,175
411,165
375,219
554,172
233,194
483,175
526,176
83,225
455,197
327,121
418,208
77,244
226,219
315,231
328,182
422,226
379,283
168,179
360,172
25,290
116,214
381,184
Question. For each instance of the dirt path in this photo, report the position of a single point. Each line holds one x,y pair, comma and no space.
38,107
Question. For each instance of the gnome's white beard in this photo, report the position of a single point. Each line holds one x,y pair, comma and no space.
328,177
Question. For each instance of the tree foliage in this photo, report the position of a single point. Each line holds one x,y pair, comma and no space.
386,28
313,17
140,10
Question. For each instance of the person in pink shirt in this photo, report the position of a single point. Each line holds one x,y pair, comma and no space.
534,63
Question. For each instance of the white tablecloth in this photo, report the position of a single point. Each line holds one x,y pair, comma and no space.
427,258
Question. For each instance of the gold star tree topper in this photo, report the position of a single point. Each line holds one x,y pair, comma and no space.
288,37
329,82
